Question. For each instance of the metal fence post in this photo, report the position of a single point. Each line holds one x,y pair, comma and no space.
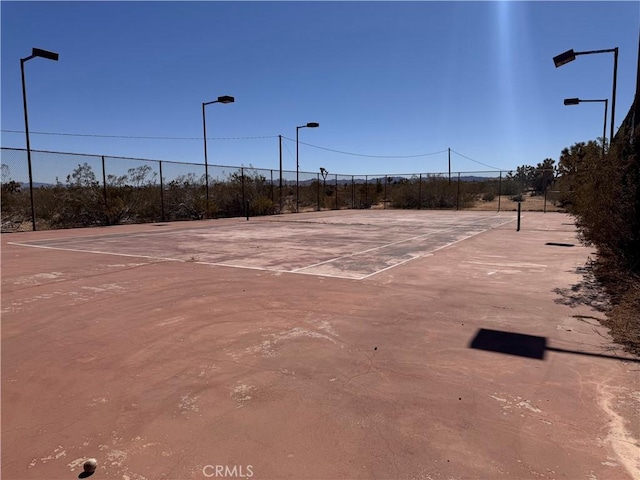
458,195
499,190
318,178
366,190
244,200
384,201
336,192
420,192
353,192
271,173
161,193
104,193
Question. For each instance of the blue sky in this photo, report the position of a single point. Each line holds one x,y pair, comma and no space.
394,79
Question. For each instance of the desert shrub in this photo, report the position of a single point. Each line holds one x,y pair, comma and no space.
604,196
262,206
488,196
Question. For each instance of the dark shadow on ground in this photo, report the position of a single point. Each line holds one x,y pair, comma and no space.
556,244
518,344
587,291
529,346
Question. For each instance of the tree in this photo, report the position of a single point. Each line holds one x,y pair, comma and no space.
544,175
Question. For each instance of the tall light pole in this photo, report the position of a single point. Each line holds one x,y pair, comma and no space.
223,99
308,125
570,56
576,101
35,52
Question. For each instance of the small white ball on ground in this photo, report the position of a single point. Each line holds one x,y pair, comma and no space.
90,465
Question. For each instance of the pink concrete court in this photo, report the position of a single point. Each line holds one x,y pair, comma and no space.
366,344
344,244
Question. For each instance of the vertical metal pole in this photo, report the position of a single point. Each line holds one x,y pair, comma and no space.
420,192
271,173
280,148
518,228
336,192
499,190
104,192
26,131
353,192
384,202
604,128
244,199
613,95
366,189
449,165
206,162
297,172
318,177
458,195
161,193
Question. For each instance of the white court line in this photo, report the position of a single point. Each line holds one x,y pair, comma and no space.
431,251
168,259
76,250
389,245
296,271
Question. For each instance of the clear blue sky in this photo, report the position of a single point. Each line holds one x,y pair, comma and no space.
382,79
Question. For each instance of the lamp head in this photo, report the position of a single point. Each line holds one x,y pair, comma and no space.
566,57
38,52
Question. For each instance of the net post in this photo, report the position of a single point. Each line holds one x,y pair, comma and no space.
518,228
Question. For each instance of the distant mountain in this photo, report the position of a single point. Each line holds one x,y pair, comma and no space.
360,179
25,185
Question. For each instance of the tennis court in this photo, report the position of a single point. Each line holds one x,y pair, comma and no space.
352,345
333,244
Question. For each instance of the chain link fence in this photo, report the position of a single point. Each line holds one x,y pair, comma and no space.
73,190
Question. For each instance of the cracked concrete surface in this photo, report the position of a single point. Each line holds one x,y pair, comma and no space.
165,366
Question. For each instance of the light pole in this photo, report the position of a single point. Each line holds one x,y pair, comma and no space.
570,56
308,125
223,99
576,101
35,52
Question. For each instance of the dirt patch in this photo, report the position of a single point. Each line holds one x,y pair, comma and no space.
608,288
624,318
